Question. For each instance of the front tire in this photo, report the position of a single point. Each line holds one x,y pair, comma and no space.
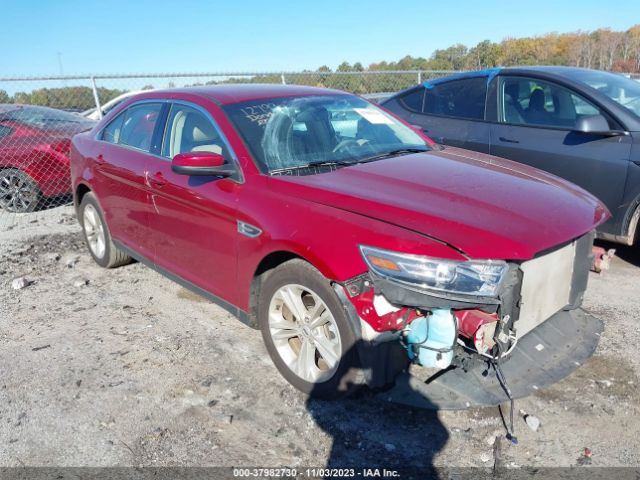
306,332
97,236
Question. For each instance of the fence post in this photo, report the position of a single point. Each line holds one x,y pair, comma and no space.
419,77
95,97
282,78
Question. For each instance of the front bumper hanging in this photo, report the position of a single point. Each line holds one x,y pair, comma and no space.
541,358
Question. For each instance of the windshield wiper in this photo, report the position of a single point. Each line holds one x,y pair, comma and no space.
332,163
392,153
344,163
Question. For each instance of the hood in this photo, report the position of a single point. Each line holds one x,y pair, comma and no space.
484,206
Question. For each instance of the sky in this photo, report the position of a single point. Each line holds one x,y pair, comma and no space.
50,37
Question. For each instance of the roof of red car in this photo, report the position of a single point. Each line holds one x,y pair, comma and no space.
237,93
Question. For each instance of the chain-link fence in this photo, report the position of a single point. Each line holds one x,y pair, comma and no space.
40,115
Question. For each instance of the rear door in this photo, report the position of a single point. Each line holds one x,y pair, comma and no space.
534,126
193,218
452,112
120,182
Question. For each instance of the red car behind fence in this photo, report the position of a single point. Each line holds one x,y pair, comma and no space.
34,155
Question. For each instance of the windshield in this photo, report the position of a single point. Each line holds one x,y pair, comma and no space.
618,88
40,116
295,132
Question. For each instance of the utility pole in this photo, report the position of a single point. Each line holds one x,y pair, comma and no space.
61,71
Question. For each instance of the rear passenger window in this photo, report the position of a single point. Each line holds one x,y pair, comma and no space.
459,98
413,100
138,125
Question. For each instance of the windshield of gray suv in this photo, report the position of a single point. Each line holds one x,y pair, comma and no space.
303,133
618,88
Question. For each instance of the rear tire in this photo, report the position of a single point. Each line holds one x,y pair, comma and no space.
97,236
306,332
19,193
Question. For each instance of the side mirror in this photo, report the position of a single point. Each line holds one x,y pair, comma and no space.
201,164
596,125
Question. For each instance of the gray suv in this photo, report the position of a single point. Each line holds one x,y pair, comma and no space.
582,125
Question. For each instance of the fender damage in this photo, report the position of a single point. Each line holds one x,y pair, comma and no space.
536,345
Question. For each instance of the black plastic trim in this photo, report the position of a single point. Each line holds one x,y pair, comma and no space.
223,171
404,295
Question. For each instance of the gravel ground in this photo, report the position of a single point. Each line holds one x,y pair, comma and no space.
123,367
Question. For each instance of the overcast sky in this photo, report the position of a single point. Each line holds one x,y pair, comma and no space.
43,37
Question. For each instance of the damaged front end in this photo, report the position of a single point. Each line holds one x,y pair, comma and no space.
462,318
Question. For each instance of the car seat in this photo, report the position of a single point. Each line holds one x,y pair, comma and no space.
536,111
192,132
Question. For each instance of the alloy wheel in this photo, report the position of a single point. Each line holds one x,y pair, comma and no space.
304,333
18,193
94,230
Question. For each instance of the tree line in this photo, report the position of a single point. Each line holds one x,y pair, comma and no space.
65,98
602,49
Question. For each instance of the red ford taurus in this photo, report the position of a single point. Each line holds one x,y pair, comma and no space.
365,254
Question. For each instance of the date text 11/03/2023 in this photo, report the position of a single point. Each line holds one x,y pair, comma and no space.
315,473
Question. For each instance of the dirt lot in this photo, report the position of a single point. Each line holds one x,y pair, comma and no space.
123,367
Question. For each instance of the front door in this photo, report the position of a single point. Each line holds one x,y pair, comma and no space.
193,218
535,122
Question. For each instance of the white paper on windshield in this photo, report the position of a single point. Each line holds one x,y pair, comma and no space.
373,116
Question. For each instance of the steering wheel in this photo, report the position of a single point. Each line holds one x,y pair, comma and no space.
346,144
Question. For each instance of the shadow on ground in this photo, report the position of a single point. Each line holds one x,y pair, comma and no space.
370,433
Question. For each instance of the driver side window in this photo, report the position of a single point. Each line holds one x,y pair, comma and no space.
189,130
530,101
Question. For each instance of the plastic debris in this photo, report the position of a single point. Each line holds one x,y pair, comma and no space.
585,458
20,283
532,421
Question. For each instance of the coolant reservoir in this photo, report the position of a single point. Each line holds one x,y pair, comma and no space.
431,339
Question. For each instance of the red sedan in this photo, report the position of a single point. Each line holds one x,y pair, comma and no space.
354,244
34,154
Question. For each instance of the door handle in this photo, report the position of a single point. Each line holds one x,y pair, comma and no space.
157,180
100,159
508,140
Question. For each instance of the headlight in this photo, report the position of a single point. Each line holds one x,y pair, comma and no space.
473,277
